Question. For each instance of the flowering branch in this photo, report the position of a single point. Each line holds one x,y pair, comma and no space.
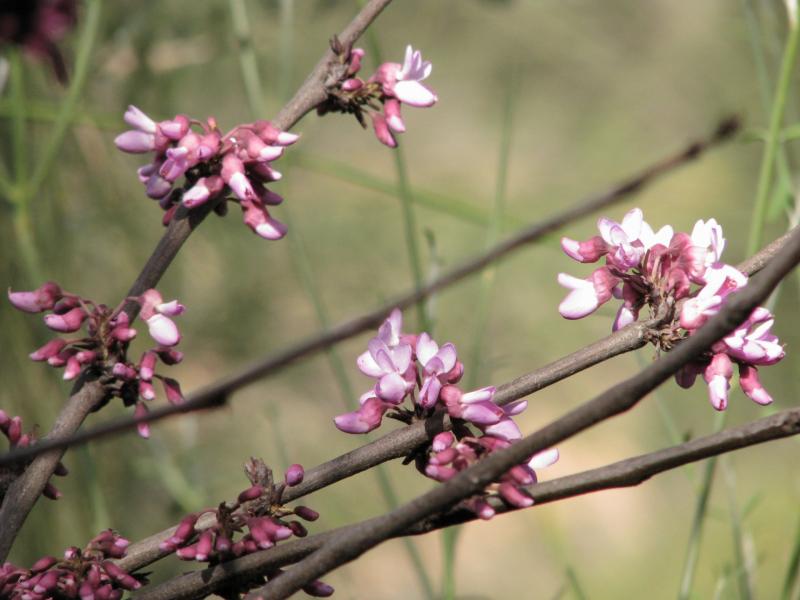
625,473
402,442
88,393
348,545
216,394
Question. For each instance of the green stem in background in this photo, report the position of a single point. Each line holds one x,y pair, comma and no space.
301,260
575,584
742,571
248,63
482,313
83,57
773,137
701,509
792,568
19,136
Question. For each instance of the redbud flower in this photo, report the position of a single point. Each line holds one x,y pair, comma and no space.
658,270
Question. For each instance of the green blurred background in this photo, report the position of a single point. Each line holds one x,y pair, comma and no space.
597,90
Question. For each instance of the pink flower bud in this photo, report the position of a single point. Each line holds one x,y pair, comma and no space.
123,334
351,85
147,366
443,440
51,348
318,589
72,369
43,564
304,512
391,109
169,356
382,131
187,553
121,576
141,410
511,494
751,385
251,493
173,391
146,390
294,475
270,134
68,322
222,544
135,142
42,298
298,528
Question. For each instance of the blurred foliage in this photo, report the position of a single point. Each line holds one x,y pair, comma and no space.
604,88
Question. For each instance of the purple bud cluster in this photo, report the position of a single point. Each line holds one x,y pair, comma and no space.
678,276
416,367
11,427
88,574
449,455
104,348
213,165
37,26
258,514
392,85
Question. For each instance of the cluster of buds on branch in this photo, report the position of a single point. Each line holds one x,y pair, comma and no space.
416,367
391,85
213,165
260,512
659,270
11,427
104,348
88,574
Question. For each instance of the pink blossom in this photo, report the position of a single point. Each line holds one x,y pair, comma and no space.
42,298
587,294
436,365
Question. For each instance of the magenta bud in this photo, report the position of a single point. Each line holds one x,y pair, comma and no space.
318,589
46,582
455,374
51,491
121,576
14,431
44,563
188,553
205,546
73,368
298,528
353,84
304,512
251,493
511,494
442,441
68,322
71,553
185,529
146,390
42,298
223,544
444,457
169,356
86,356
173,390
382,131
123,334
294,475
147,366
143,428
4,420
51,348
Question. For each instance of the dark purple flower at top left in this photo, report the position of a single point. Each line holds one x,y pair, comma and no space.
104,346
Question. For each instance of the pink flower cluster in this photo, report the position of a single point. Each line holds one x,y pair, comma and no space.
416,367
108,335
11,427
37,26
213,165
392,85
259,511
88,574
659,270
450,455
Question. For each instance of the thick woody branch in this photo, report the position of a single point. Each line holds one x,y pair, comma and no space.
348,545
218,392
24,492
625,473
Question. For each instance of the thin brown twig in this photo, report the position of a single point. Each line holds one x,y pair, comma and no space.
23,493
348,545
217,393
625,473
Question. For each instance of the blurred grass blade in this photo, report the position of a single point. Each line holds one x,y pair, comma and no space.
701,508
790,581
69,106
575,584
743,574
771,150
436,201
19,136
